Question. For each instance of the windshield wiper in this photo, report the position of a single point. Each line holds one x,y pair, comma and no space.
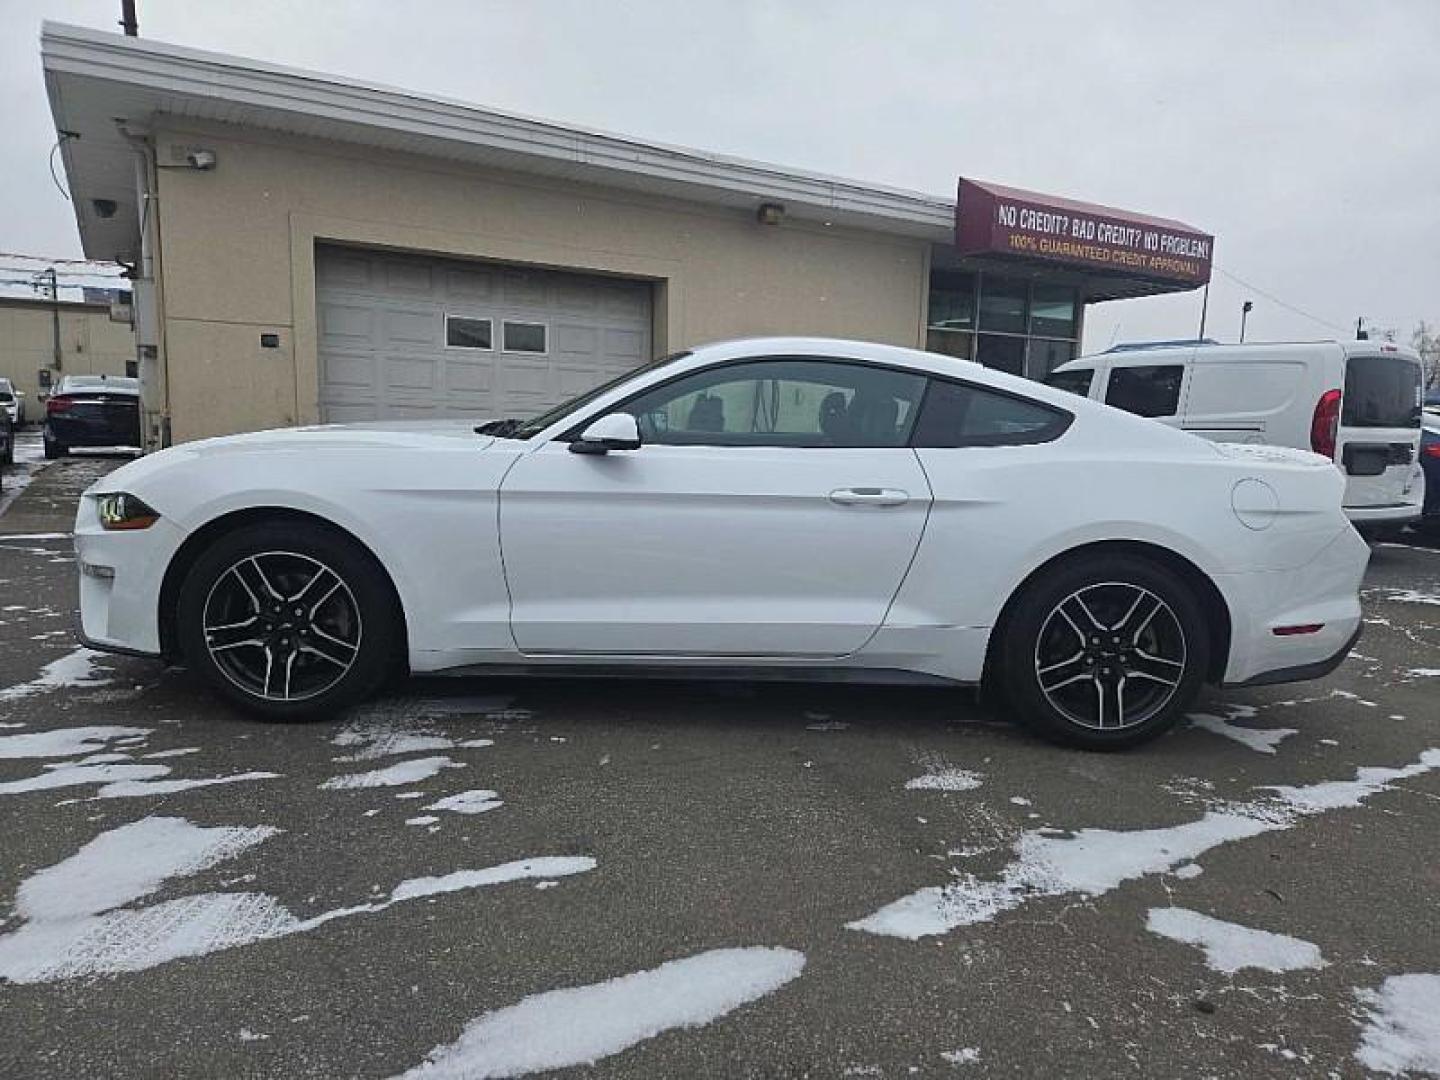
499,428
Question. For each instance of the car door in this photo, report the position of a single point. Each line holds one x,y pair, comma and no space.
772,510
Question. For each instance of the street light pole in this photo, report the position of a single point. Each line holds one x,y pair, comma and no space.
1245,310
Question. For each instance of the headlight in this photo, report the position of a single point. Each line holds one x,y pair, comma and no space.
121,511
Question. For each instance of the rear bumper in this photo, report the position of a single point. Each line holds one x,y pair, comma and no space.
1324,592
1316,669
1363,517
89,433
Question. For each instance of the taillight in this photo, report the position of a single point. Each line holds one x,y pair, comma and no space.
1431,450
1326,423
59,404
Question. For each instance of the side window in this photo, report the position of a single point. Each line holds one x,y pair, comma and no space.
782,402
1146,391
1075,381
955,415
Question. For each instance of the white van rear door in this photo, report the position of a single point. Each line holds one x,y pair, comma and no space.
1379,434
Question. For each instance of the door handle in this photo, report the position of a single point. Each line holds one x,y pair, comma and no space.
869,496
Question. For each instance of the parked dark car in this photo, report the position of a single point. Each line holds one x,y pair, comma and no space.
1430,462
7,439
91,411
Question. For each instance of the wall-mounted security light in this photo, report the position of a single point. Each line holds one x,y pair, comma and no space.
770,213
204,160
104,208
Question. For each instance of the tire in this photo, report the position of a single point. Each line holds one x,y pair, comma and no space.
54,449
254,649
1145,632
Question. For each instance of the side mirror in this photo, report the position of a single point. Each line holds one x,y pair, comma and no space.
617,431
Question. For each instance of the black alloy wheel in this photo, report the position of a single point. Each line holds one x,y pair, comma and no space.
1105,652
289,620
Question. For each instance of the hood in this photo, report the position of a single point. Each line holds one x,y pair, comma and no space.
384,435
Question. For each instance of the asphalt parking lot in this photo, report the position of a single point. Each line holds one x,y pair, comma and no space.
732,880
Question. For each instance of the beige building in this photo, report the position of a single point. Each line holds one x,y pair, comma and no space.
306,248
40,339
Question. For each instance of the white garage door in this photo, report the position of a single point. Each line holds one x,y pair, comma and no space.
408,337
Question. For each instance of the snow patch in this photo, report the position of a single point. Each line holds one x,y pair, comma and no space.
1403,1034
946,779
1092,862
69,775
77,924
75,669
404,772
468,802
65,742
129,789
127,863
1230,947
1261,740
969,1055
584,1024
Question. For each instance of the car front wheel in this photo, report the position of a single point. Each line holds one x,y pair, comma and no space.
1105,652
289,621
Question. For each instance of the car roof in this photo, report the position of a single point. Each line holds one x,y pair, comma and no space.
1214,351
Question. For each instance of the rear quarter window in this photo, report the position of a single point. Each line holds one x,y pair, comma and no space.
955,414
1146,391
1381,392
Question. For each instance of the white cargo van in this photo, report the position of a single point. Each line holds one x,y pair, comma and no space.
1356,402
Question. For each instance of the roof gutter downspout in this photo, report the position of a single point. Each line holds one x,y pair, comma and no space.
149,298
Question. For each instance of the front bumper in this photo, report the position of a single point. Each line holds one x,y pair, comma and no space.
120,578
1325,592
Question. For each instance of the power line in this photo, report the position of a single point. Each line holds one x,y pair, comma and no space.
1276,300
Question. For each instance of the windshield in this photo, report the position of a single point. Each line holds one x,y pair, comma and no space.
98,382
539,423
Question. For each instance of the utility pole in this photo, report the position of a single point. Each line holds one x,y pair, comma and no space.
1245,310
127,18
54,283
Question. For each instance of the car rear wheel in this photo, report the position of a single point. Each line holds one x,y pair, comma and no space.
289,621
54,449
1105,652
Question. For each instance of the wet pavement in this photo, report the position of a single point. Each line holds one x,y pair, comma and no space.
854,881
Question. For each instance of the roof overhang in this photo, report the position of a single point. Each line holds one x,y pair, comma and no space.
102,86
97,80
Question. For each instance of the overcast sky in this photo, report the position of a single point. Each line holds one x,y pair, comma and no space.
1305,135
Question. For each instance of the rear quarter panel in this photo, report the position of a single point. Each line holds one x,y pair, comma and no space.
1000,513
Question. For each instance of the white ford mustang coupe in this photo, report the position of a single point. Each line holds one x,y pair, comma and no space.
790,507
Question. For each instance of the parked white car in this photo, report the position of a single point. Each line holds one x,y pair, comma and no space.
787,508
12,400
1356,402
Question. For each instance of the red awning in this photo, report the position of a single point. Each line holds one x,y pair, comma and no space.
1141,252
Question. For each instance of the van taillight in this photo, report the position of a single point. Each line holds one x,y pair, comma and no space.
59,404
1325,424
